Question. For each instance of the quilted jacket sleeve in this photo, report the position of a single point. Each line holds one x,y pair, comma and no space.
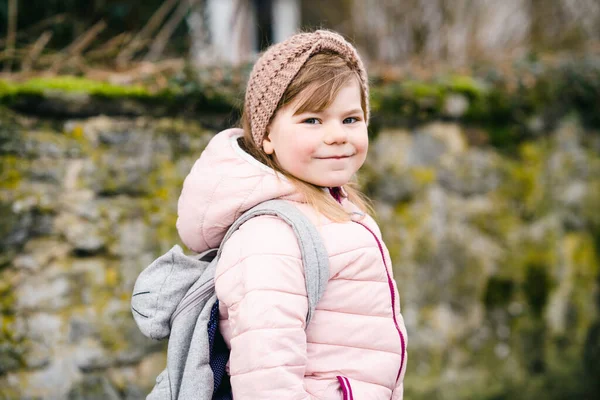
398,393
260,280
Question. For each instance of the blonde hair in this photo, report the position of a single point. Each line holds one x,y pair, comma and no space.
315,87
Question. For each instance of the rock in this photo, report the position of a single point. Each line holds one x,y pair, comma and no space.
48,144
36,197
45,328
389,152
395,188
452,135
115,174
90,355
39,252
38,355
53,381
93,269
11,138
47,170
93,387
11,355
573,194
39,294
84,236
455,105
131,239
82,326
127,382
15,227
464,224
150,367
426,150
476,172
131,267
82,203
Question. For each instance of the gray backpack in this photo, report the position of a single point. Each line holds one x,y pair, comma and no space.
175,297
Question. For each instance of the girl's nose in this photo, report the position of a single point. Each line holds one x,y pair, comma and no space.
336,134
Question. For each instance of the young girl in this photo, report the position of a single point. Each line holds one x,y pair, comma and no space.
304,137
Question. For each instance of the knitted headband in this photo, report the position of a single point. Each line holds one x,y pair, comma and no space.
277,67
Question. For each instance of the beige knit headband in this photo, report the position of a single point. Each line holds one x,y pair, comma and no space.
277,67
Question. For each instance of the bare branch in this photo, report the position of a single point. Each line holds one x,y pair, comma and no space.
12,33
111,46
36,50
75,48
142,37
36,28
159,44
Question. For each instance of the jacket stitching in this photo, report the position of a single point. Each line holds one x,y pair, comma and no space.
266,290
267,368
251,192
354,347
243,259
352,313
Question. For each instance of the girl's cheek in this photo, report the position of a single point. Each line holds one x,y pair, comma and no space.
362,143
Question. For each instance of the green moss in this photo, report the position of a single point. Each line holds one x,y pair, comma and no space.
10,172
498,222
111,338
423,176
524,182
165,186
72,84
421,90
12,347
7,88
467,85
581,250
7,298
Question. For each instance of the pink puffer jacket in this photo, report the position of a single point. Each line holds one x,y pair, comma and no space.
355,345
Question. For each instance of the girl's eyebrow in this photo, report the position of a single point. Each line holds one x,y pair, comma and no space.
309,112
354,111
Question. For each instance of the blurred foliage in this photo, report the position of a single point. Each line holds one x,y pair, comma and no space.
510,105
68,19
38,86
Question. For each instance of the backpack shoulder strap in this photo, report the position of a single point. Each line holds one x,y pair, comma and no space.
314,255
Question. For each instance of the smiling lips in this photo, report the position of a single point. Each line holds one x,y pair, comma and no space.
334,157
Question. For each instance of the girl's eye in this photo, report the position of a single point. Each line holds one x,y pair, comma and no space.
350,120
311,121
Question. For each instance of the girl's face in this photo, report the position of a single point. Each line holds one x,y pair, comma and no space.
324,148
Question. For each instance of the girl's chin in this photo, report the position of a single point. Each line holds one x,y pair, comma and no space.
331,180
330,183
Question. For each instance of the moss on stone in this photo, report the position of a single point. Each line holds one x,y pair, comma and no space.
523,181
12,348
423,176
10,172
71,84
467,85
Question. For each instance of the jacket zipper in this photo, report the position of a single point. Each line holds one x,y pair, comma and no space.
346,388
393,295
190,300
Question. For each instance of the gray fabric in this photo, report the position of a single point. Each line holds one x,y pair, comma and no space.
174,296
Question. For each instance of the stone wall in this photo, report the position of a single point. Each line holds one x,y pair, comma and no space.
495,254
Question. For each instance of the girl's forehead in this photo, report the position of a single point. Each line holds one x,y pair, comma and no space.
313,99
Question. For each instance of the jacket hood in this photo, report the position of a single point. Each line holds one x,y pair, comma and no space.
224,183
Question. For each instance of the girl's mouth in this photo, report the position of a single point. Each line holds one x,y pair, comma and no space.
334,157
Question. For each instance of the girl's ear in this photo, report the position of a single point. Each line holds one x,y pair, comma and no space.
267,145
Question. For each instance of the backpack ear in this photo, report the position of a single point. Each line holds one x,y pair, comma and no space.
159,289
